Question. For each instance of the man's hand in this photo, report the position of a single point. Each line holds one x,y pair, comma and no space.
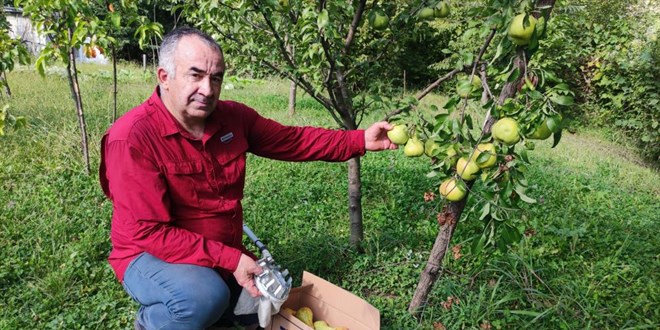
375,137
245,272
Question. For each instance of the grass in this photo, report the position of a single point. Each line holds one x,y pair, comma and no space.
589,261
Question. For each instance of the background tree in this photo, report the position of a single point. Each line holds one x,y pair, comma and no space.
11,50
608,53
121,18
68,25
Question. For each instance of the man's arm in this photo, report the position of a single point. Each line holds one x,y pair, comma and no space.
268,138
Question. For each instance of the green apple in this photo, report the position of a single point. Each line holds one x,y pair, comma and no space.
284,4
398,134
467,169
465,88
451,154
520,34
453,190
414,147
546,128
541,132
488,148
378,19
441,10
426,13
506,130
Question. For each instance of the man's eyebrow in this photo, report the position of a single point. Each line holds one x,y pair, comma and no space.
198,70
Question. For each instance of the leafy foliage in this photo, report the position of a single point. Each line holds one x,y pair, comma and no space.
609,54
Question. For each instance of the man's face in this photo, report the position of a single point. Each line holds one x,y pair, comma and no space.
193,92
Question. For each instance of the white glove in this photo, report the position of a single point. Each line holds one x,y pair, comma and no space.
261,305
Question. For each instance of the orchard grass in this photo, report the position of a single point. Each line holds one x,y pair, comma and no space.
589,259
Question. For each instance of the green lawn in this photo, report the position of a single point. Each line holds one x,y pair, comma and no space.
591,258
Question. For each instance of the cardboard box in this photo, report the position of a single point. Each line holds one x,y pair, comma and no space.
330,303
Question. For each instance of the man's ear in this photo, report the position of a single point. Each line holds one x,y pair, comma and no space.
163,78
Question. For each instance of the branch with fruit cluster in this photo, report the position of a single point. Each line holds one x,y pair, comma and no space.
496,156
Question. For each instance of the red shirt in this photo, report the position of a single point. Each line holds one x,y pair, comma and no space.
179,198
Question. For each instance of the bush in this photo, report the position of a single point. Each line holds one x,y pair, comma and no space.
608,52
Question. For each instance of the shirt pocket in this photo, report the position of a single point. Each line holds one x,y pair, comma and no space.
232,170
185,179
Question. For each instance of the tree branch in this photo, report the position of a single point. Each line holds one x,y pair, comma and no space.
354,25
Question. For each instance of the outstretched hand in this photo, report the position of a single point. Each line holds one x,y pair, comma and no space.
375,137
245,272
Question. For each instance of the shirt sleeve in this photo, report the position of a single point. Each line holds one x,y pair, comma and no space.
141,217
268,138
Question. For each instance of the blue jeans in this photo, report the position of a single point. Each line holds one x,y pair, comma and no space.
180,296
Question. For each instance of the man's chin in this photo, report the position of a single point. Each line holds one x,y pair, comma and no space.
200,112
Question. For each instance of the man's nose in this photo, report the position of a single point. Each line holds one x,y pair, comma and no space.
206,86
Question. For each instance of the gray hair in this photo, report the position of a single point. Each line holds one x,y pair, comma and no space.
171,40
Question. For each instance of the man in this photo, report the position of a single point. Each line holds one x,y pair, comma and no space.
174,169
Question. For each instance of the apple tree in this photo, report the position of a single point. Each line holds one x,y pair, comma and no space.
518,101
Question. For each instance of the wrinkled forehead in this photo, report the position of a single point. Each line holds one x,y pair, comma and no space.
195,52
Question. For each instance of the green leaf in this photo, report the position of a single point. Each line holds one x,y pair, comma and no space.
556,137
40,65
485,211
451,103
478,245
553,123
441,118
523,152
562,99
116,20
511,234
520,190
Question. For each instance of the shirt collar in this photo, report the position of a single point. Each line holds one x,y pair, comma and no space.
213,123
168,124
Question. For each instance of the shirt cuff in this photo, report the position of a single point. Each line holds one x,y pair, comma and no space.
229,259
357,142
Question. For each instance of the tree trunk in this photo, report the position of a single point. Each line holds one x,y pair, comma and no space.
114,83
292,84
72,73
452,211
5,83
447,220
292,98
355,202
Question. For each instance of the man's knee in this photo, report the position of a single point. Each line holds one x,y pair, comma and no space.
202,302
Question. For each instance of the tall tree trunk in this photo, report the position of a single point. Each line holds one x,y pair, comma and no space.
447,219
5,83
292,97
72,73
451,212
292,84
355,202
114,83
